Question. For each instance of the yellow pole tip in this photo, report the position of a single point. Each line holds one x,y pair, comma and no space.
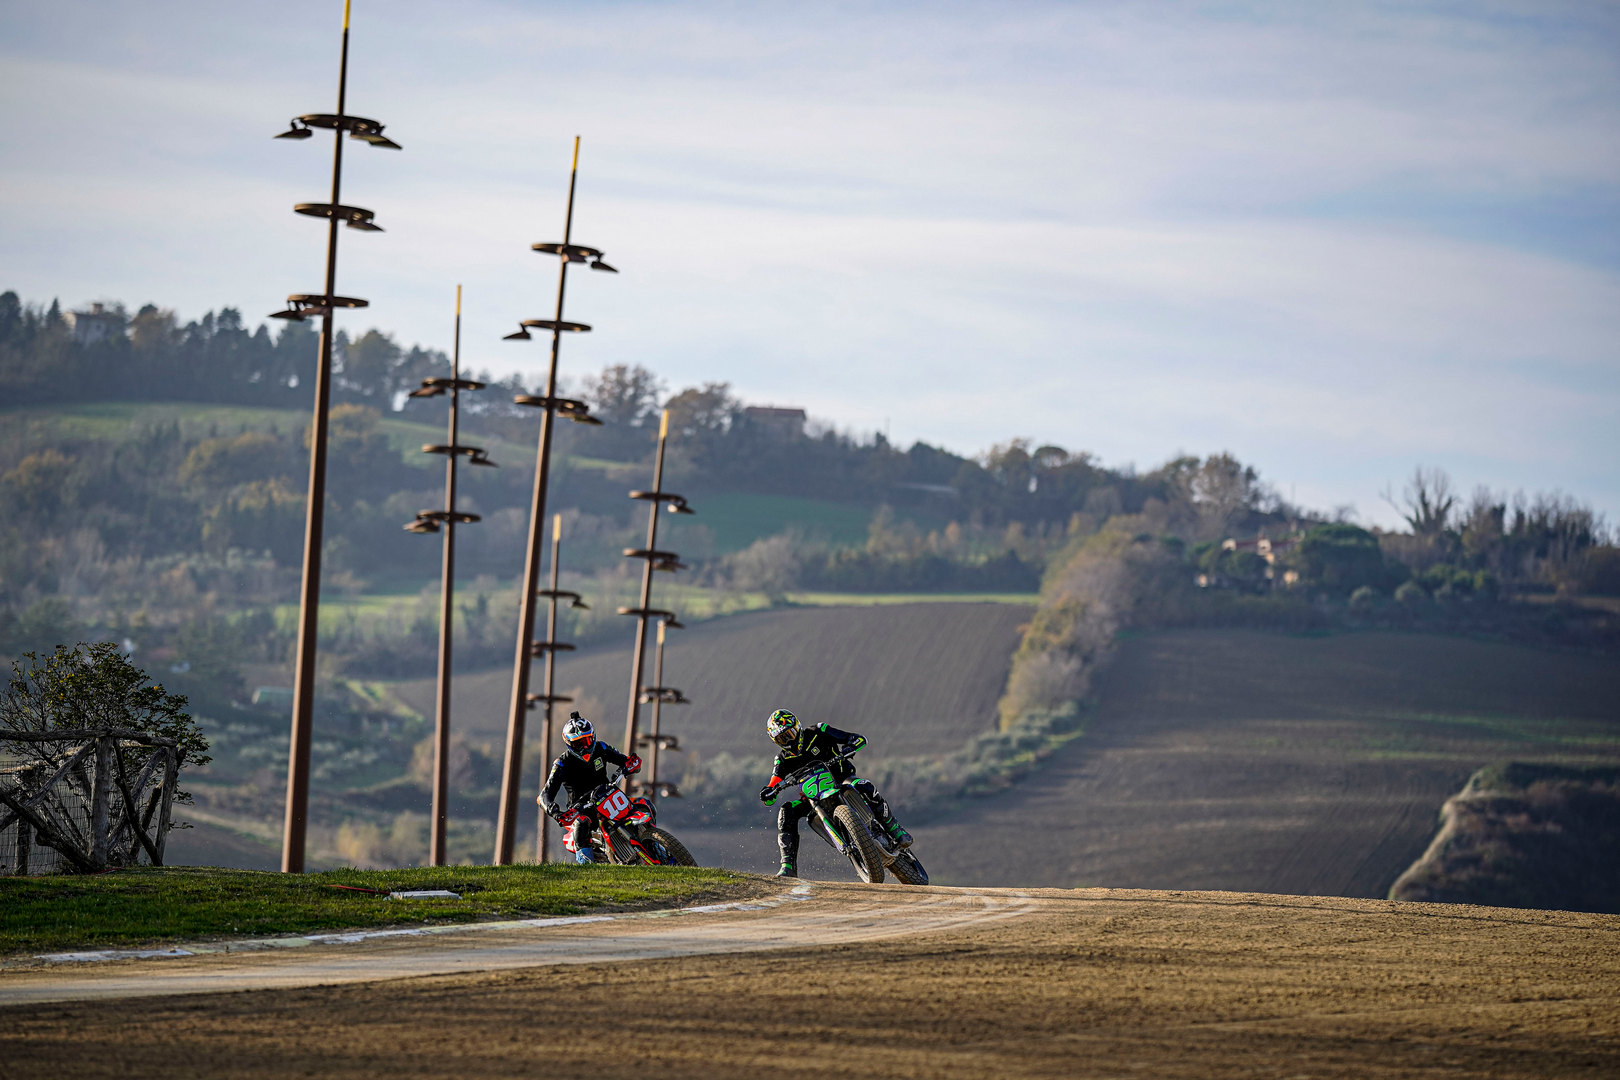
346,4
556,527
663,425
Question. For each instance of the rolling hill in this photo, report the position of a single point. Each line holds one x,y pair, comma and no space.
912,676
1212,759
1249,761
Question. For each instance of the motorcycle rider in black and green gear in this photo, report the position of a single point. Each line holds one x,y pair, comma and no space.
799,747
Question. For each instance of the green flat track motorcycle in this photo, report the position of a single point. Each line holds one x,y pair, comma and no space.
843,819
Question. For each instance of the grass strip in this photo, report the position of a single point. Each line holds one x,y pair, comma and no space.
144,905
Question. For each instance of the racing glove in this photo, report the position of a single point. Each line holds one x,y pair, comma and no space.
632,764
768,793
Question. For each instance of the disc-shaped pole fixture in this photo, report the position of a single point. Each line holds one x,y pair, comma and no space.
677,503
570,408
355,217
428,521
436,387
530,701
573,598
667,561
650,612
577,253
475,455
556,324
667,695
540,648
301,306
358,127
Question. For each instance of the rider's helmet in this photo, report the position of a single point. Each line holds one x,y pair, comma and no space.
579,736
783,728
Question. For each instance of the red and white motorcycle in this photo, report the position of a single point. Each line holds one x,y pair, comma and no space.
624,829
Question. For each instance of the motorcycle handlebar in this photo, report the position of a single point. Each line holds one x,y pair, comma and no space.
798,776
595,795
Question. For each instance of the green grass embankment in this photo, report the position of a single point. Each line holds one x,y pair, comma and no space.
145,905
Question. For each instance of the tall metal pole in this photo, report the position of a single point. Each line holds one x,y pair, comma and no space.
512,773
431,521
639,655
543,843
441,728
296,823
654,744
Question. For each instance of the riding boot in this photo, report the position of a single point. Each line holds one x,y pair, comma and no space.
901,838
789,843
885,816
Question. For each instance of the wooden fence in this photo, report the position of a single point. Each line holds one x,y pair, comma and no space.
84,800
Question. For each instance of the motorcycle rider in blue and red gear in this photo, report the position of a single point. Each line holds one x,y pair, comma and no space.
581,769
831,747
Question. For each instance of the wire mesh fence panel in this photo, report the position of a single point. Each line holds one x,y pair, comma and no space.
84,800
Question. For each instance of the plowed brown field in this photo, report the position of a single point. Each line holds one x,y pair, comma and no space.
928,673
1095,983
1256,762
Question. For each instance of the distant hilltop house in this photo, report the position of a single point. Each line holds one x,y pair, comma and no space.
784,424
1268,550
97,324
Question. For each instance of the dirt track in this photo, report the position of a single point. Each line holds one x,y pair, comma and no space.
1097,983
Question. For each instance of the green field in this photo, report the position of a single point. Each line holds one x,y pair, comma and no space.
144,905
692,602
735,520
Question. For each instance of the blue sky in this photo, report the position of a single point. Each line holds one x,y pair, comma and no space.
1336,240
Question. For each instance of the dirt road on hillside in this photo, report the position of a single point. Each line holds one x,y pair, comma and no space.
1091,983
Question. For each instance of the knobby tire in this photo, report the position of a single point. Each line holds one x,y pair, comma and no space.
678,855
863,851
908,869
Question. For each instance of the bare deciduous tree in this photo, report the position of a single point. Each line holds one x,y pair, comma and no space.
1426,502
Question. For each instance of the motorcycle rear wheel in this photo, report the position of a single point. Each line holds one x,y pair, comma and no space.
908,869
861,848
678,855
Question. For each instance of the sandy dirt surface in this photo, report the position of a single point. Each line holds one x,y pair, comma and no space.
788,917
1091,983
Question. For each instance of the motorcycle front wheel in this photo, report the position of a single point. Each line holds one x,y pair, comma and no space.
860,847
678,855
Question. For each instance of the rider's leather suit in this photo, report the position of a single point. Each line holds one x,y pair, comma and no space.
581,775
827,744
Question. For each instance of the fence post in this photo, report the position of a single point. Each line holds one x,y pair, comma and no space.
101,801
25,841
171,771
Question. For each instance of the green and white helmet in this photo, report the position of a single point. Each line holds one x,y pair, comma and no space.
783,728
